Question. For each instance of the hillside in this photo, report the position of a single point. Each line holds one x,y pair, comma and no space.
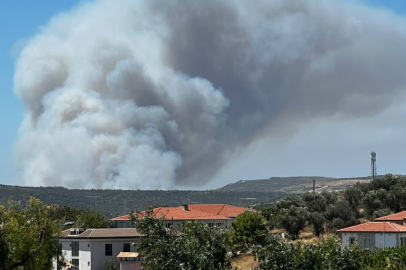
290,185
117,202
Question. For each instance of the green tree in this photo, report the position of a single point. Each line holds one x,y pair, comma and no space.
317,220
27,237
314,202
270,215
293,220
195,247
91,219
354,196
248,230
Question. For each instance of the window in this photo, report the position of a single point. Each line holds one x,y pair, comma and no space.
352,240
126,247
109,250
75,263
75,249
122,224
220,224
366,242
403,241
168,225
210,224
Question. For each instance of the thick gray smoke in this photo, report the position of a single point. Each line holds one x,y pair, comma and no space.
157,94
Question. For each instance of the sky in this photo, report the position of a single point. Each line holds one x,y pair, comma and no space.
305,152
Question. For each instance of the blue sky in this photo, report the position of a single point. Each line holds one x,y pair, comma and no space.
20,19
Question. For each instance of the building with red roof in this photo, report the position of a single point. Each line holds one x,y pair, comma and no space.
398,218
215,215
378,234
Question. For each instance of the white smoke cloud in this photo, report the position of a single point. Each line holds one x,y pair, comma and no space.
156,94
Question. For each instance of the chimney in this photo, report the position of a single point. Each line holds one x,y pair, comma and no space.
185,207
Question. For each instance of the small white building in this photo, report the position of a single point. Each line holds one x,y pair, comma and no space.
374,235
129,261
91,249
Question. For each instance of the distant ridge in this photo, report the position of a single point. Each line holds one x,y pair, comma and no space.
296,184
119,202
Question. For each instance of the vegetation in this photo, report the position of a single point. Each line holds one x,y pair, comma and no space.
196,247
27,236
327,255
330,211
247,230
115,203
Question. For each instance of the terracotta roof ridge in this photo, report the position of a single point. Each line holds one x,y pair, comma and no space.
209,214
221,209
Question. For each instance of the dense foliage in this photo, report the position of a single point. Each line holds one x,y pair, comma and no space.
330,211
115,203
328,255
195,247
27,236
247,230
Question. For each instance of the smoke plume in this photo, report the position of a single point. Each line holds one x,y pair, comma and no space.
157,94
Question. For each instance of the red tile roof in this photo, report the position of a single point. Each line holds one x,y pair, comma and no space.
125,218
378,227
394,217
195,212
178,213
219,209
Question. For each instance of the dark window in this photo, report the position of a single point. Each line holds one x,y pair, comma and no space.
109,250
352,240
168,225
126,247
75,249
75,263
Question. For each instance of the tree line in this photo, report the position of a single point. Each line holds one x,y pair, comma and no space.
330,211
28,234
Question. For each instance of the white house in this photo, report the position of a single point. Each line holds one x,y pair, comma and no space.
374,235
215,215
91,249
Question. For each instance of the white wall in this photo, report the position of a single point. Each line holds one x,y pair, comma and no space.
385,240
130,265
84,252
93,251
345,237
98,251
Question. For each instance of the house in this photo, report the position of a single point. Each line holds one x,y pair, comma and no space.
215,215
399,218
378,234
91,249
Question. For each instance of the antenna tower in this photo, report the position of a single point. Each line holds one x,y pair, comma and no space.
373,165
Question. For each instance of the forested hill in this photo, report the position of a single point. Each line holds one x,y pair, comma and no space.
298,184
117,202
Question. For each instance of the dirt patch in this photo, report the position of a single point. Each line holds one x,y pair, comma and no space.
244,262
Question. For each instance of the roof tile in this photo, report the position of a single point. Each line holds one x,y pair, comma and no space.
375,227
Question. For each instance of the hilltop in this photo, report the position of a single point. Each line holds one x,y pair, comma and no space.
298,184
119,202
